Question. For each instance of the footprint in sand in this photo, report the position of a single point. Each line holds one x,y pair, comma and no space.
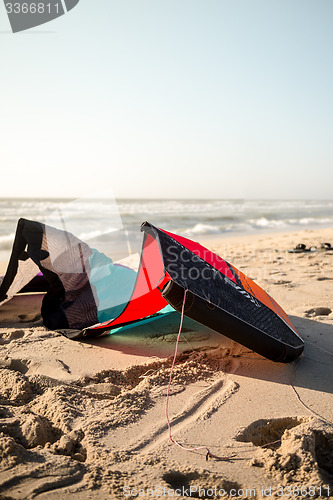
14,387
318,311
282,282
8,337
29,430
268,433
200,484
35,413
292,449
18,365
29,318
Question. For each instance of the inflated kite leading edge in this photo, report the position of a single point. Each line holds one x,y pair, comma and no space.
218,295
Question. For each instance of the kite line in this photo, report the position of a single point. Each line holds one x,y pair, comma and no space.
208,452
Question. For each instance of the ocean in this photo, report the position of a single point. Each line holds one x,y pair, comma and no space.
103,221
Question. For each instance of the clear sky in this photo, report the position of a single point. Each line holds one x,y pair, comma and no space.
170,98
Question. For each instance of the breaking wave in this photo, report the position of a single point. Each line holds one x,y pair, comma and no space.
89,218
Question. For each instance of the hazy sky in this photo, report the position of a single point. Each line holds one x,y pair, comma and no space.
170,98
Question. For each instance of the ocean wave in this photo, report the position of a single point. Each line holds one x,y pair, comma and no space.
6,241
85,236
305,221
202,229
263,222
91,219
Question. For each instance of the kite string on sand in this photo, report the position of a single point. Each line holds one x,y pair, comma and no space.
194,450
292,385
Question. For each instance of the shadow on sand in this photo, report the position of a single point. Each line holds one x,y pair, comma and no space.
158,338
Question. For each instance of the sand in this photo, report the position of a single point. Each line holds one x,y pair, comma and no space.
87,419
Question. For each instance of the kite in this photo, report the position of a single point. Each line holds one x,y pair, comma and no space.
87,294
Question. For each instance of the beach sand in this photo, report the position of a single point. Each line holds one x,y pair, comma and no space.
87,419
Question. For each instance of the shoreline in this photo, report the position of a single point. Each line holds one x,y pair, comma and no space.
228,238
270,232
